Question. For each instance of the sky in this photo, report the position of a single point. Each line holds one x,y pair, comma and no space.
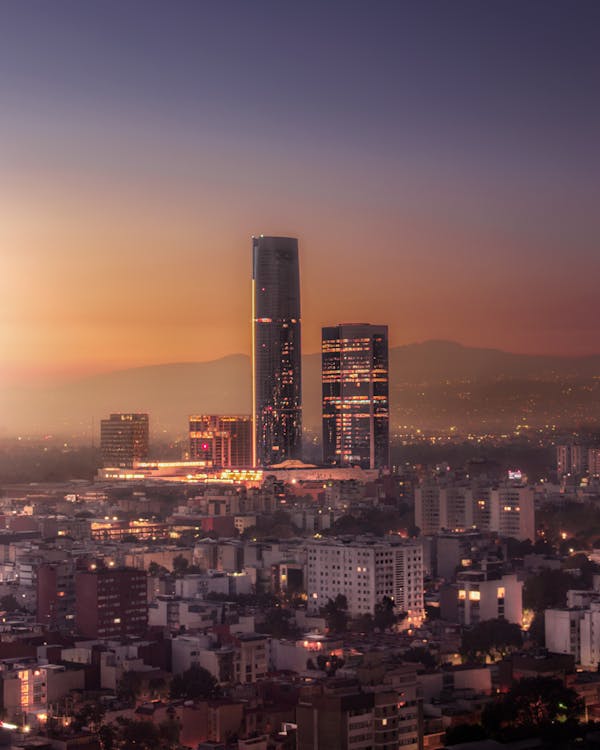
438,161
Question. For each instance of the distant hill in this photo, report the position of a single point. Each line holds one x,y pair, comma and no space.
435,361
433,384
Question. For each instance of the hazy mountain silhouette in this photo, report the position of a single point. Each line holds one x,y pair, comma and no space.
435,383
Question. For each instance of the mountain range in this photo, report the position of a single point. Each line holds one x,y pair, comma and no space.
433,385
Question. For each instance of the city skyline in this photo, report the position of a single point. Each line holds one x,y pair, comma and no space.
456,152
299,375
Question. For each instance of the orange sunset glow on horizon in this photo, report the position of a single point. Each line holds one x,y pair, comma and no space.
443,204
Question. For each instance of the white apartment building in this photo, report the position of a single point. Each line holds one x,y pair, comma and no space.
174,613
196,585
456,511
444,504
427,507
244,659
484,596
480,501
562,626
594,462
512,511
365,572
589,637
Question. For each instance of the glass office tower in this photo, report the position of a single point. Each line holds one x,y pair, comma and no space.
223,441
276,366
355,382
124,439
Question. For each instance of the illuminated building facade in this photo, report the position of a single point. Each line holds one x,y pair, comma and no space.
276,365
365,572
487,595
224,442
124,439
355,382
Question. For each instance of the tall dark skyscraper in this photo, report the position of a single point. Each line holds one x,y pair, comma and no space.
276,365
355,395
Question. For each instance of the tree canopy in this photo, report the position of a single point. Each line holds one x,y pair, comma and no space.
493,638
385,616
195,682
533,705
547,589
336,614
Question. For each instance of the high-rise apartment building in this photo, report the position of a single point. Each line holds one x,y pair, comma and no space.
222,441
512,511
276,363
594,462
427,506
444,503
355,385
572,458
366,572
111,602
124,439
56,594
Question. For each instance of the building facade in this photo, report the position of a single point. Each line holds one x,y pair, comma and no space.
486,595
355,389
276,352
384,716
56,594
124,439
512,511
365,573
224,442
111,602
562,629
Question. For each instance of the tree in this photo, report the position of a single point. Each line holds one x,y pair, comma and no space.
131,734
533,706
491,638
336,614
168,732
537,629
364,623
90,714
585,568
9,603
180,565
136,735
278,623
384,614
464,733
329,664
547,589
158,688
195,682
421,655
107,736
129,687
154,569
